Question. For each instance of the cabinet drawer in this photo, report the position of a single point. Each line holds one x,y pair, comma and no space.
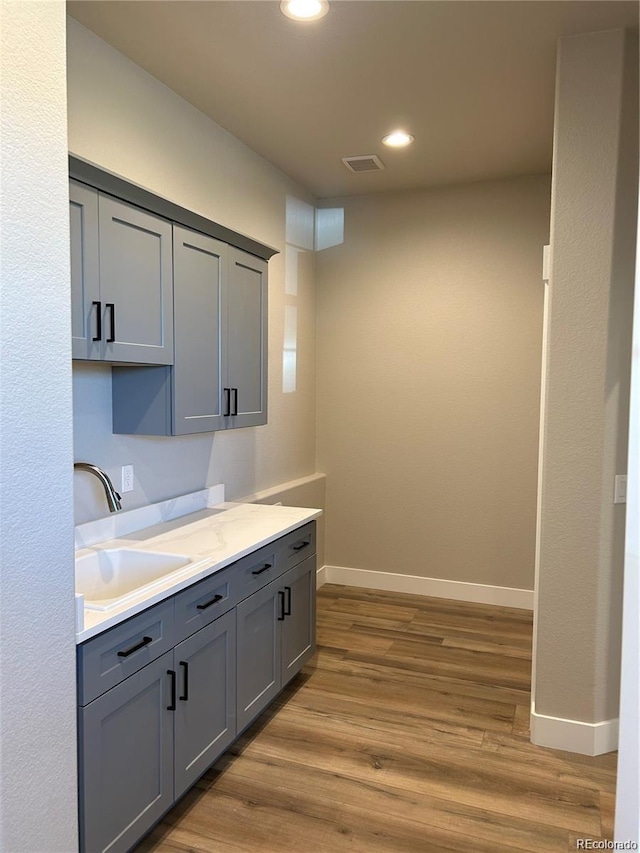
298,545
200,604
111,657
257,570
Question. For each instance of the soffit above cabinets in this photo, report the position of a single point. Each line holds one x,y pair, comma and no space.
472,80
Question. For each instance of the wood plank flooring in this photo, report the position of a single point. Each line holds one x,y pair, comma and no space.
408,733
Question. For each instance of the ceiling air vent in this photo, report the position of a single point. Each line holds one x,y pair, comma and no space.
365,163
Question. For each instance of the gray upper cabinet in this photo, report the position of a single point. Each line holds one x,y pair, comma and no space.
179,299
219,379
247,340
200,293
121,280
85,271
136,284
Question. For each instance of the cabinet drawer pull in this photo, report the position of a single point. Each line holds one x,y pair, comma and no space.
300,546
235,401
143,642
185,690
172,706
287,608
98,335
265,568
281,615
112,307
214,600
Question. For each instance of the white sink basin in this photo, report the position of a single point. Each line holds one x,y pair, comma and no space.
108,578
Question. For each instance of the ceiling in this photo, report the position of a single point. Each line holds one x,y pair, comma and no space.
472,80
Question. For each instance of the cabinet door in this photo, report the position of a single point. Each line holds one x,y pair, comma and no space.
86,315
298,631
136,284
258,673
247,339
126,756
200,267
205,720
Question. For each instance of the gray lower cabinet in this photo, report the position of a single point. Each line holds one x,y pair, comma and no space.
146,741
126,759
298,629
219,378
162,695
121,280
205,713
276,637
259,667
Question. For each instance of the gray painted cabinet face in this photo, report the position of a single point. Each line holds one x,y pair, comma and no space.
136,278
298,629
137,754
247,339
200,272
276,637
85,271
108,660
258,673
220,334
205,716
126,751
160,722
121,281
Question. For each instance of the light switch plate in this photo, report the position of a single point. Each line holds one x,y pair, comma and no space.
620,489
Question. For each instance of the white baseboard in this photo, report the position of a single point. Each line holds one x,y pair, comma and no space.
574,735
436,587
321,577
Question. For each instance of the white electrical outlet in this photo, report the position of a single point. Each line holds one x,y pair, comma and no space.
620,489
127,478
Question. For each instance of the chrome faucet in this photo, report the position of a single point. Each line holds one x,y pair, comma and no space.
113,498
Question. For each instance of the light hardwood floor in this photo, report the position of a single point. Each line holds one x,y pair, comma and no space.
408,732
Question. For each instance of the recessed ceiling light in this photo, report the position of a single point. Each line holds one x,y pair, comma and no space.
304,10
397,139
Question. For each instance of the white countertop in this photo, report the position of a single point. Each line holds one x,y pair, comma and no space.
213,536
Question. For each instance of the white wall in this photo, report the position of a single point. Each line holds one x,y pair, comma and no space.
124,120
429,338
38,810
593,233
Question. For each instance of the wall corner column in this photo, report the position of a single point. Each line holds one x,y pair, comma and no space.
586,406
38,777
